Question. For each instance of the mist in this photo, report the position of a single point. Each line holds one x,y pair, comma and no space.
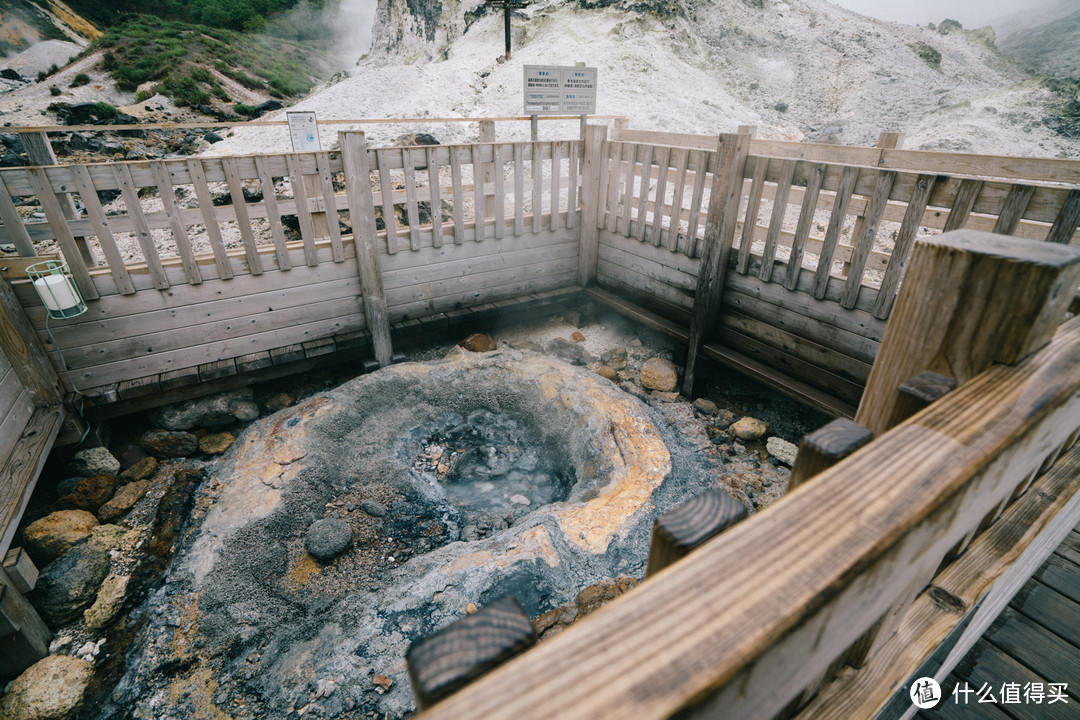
969,13
354,20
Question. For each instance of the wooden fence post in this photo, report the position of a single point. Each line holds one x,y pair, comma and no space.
595,137
40,152
731,153
487,135
362,217
22,347
970,299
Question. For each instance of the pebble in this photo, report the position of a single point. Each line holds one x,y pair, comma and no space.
608,372
520,500
372,508
705,407
749,428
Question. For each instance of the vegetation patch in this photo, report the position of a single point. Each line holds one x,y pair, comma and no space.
1065,116
927,53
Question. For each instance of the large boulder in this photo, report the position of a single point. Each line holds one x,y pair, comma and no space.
94,461
50,689
108,603
215,412
68,585
169,443
49,537
90,493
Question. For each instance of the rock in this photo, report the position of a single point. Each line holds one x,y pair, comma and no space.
566,350
128,454
90,494
716,434
212,137
69,584
415,140
723,419
372,508
50,689
659,374
478,342
48,538
749,428
263,108
107,537
615,357
705,407
668,397
109,601
572,317
216,443
142,470
169,443
9,74
520,500
215,412
606,371
280,401
328,538
577,336
67,486
94,461
124,499
528,345
782,450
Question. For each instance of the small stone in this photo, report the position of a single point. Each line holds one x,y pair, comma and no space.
372,508
478,342
470,609
90,494
244,410
69,584
110,599
94,461
169,443
142,470
48,538
659,374
124,499
608,372
280,401
216,443
328,538
50,689
383,682
668,397
576,336
782,450
716,434
615,357
749,428
705,407
520,500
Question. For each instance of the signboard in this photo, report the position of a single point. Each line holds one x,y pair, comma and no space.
303,131
559,90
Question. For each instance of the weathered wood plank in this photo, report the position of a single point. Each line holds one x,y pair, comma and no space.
676,239
695,204
685,527
303,209
905,239
19,471
595,139
389,217
273,214
325,183
1067,220
72,254
661,194
614,176
85,185
825,447
536,168
1013,209
172,212
13,223
806,222
776,222
643,192
1051,609
865,242
832,234
478,188
459,200
197,173
964,204
436,196
17,408
22,349
519,189
573,187
500,192
243,222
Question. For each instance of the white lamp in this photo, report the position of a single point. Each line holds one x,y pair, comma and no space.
56,289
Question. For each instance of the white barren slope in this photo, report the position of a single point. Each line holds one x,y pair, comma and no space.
799,70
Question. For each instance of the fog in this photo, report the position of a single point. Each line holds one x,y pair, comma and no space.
354,23
969,13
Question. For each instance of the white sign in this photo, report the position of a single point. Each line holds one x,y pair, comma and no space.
304,131
559,90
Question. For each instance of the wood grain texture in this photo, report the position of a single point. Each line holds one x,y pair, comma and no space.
19,471
864,240
753,206
595,140
24,351
52,206
243,220
13,224
444,662
776,222
806,221
206,208
825,447
100,222
683,528
832,234
176,225
905,239
955,317
1067,220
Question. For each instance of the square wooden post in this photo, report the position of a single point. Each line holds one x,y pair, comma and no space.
595,137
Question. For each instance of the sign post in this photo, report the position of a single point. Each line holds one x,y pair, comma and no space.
303,131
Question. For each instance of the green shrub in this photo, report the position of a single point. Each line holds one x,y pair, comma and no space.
928,54
143,96
54,91
80,80
105,110
247,110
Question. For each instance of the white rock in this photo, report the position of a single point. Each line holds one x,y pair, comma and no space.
520,500
782,450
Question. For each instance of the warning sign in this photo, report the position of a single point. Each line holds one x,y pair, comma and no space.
559,90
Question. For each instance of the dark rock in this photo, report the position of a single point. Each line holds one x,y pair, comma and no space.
9,74
89,494
328,538
705,407
267,106
112,148
79,141
615,357
169,443
142,470
214,413
375,509
566,350
478,342
67,486
124,499
69,584
12,141
216,443
415,140
212,137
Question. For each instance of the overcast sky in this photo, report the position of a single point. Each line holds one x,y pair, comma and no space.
970,13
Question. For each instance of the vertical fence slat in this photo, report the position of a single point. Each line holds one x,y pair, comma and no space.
142,230
243,221
1012,212
459,201
572,193
537,188
806,222
519,189
612,219
591,198
963,205
500,191
436,196
322,160
864,244
776,223
172,211
905,239
480,193
59,224
695,202
387,189
21,239
602,196
273,215
836,222
556,191
643,199
303,211
661,195
753,205
206,208
1067,220
85,185
628,187
412,210
677,199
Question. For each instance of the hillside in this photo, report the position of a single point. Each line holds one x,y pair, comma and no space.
802,70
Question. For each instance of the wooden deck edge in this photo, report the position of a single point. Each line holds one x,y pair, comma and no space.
124,398
960,603
20,470
791,387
